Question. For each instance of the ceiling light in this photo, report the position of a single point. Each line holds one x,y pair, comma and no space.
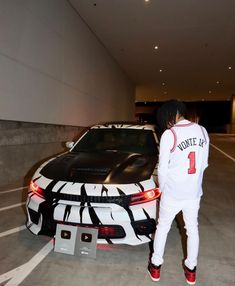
229,68
146,0
217,82
156,47
163,83
160,70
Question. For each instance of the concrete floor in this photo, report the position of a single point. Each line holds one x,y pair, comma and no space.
122,264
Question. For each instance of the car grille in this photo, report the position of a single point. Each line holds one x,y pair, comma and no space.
123,201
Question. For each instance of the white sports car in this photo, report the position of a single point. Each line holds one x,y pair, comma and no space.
105,181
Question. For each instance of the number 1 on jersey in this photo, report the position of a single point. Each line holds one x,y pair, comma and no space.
192,163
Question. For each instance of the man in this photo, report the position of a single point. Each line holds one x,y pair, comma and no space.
183,157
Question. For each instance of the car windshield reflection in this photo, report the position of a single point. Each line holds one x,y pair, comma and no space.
118,140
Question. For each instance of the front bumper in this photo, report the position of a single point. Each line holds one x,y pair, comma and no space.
117,225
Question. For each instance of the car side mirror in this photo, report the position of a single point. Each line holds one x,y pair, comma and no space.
69,144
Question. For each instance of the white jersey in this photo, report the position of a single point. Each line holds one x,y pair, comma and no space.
182,160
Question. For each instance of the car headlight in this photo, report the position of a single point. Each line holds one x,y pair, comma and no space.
145,197
36,189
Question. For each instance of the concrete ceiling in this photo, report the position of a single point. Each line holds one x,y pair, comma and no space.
195,58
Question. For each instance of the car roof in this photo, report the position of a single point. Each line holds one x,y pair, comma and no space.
124,125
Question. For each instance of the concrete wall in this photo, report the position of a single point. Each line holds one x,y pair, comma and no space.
23,146
54,70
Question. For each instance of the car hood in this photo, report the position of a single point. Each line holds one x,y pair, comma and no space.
107,167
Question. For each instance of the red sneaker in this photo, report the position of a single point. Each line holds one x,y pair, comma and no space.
190,275
154,271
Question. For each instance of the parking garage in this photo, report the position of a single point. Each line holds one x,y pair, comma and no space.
57,77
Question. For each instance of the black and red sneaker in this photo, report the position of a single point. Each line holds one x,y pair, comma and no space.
154,271
190,275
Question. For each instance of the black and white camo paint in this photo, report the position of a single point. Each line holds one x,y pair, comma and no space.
92,213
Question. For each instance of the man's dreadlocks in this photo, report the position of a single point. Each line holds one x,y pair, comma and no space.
166,114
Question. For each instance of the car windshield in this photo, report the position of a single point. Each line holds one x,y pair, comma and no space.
125,140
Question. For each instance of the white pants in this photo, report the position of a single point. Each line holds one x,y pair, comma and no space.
169,208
